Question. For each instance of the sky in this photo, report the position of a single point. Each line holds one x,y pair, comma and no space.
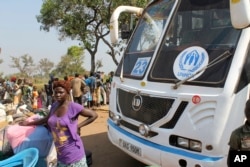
20,34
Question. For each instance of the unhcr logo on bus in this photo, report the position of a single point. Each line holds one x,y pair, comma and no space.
189,61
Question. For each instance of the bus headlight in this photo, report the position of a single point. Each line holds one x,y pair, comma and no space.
116,118
111,114
186,143
195,145
144,130
182,142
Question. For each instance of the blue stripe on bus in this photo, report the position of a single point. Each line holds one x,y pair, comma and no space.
165,148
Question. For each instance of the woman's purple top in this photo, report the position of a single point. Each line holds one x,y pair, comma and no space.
68,143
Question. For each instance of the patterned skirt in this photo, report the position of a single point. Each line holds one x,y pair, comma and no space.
81,163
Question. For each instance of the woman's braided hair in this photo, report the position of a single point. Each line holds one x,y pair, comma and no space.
62,83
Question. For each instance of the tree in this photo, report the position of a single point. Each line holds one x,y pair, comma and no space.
45,66
83,20
24,64
70,63
98,64
117,49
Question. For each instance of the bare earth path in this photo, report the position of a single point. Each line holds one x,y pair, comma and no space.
104,154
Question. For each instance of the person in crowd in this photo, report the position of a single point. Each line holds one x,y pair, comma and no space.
64,126
2,88
56,79
48,95
17,92
87,97
43,98
77,86
30,86
91,83
98,89
39,99
240,137
66,78
108,89
34,98
101,95
111,74
26,92
11,83
49,91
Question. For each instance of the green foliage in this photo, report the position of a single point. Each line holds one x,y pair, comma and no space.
75,51
83,20
70,63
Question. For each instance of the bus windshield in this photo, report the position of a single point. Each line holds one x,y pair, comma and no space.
197,35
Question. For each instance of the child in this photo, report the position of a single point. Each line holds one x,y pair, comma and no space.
34,98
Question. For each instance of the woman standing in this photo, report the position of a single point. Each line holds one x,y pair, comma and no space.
63,124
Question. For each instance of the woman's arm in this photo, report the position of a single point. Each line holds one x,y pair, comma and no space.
91,116
41,121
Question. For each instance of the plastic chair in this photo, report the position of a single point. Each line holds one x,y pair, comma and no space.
25,158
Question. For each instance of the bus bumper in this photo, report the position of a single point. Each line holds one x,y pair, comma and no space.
154,154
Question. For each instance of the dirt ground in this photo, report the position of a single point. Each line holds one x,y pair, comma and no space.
104,154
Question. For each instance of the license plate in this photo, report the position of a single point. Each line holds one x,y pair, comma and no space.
130,147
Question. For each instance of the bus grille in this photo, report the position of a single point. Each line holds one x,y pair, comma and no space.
152,109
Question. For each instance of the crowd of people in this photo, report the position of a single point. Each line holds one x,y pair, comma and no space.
22,91
88,90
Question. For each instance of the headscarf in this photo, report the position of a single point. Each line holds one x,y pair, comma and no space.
62,83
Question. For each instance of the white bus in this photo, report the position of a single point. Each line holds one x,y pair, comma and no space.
180,88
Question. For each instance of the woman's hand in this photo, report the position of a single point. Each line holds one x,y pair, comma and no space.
79,131
23,123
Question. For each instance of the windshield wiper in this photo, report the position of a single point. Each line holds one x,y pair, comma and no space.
220,58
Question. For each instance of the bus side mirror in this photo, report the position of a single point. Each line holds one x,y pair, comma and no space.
240,13
125,32
114,21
